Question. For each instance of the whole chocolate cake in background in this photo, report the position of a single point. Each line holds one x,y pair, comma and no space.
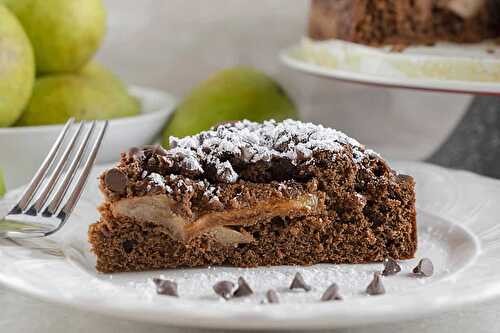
250,194
380,22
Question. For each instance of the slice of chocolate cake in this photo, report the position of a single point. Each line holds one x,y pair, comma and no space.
249,194
379,22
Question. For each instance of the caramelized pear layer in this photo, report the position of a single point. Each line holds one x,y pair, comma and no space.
158,209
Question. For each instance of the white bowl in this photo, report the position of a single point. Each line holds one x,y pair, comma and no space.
22,149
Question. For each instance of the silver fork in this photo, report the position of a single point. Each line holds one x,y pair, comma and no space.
31,217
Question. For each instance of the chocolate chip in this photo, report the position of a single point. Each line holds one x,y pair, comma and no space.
152,164
116,180
391,267
278,224
136,153
402,176
128,245
224,289
159,150
165,287
299,283
405,178
424,268
272,296
243,288
375,287
331,293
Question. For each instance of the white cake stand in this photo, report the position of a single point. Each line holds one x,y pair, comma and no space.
445,67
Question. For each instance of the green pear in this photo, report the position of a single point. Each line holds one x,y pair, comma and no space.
106,79
3,189
232,94
9,3
96,71
56,98
65,33
17,68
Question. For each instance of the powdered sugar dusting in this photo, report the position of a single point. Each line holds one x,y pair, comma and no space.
253,142
226,173
158,181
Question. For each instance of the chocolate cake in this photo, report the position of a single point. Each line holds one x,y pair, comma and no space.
249,194
379,22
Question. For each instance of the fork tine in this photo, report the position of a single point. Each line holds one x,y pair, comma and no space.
42,199
77,191
40,174
56,201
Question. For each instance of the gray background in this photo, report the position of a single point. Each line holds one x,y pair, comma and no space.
174,44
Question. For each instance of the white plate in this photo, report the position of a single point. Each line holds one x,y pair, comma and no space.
23,148
445,67
458,219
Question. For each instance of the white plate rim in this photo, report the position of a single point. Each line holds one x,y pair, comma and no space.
452,86
266,319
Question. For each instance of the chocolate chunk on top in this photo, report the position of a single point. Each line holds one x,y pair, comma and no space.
331,293
166,287
391,267
299,283
136,153
243,288
116,180
405,178
224,289
272,296
424,268
375,287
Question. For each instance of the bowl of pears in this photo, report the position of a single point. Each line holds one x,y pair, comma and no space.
48,75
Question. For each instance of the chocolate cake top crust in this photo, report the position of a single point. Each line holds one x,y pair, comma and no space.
244,150
247,142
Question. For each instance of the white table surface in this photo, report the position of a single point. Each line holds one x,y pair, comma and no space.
174,44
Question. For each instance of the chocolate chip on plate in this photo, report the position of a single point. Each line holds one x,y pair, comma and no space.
375,287
424,268
299,283
391,267
224,289
243,288
331,293
272,296
166,287
116,180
